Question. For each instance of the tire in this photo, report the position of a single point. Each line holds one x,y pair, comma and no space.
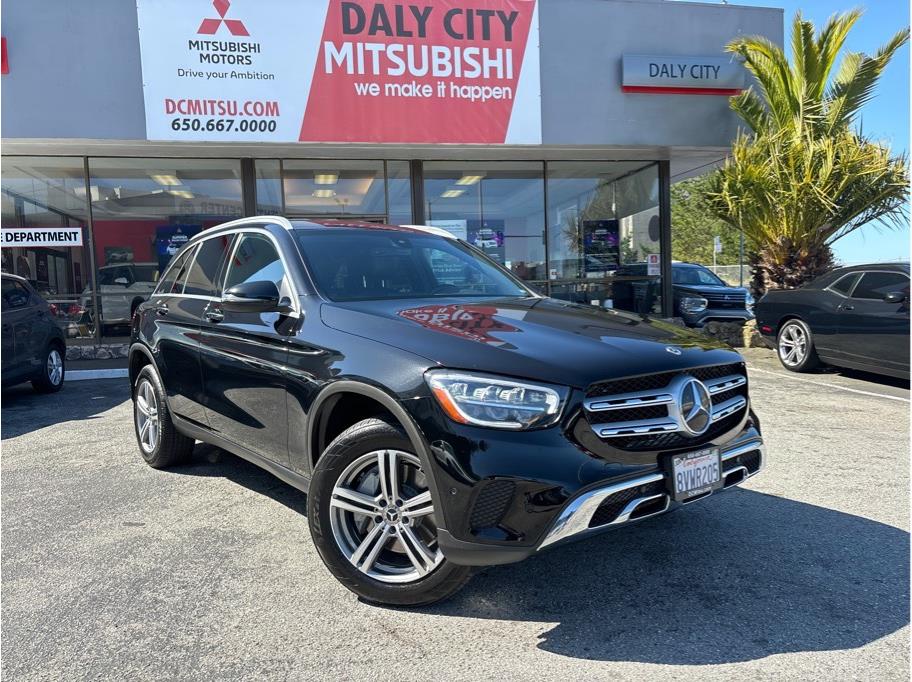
53,371
393,570
159,442
795,347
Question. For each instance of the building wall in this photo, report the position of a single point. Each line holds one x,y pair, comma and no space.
75,70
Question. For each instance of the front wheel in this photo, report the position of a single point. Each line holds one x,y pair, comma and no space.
795,346
373,520
50,380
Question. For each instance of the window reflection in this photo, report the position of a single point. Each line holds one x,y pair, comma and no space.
498,207
143,211
40,192
603,224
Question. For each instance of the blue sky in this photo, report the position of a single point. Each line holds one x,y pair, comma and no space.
886,117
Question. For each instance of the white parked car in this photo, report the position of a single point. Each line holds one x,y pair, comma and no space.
122,287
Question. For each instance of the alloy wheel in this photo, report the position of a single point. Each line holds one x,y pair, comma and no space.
382,517
54,367
793,345
146,413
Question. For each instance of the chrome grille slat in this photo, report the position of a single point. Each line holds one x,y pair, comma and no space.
728,407
635,428
635,419
725,383
627,400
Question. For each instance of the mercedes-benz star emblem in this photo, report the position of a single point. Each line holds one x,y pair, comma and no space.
673,350
694,406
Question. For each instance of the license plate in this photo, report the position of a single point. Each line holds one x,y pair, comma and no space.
695,473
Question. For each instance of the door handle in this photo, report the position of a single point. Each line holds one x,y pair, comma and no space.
848,307
215,315
161,309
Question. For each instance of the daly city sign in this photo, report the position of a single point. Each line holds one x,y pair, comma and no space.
428,71
682,75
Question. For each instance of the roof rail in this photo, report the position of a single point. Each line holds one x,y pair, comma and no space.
439,231
254,219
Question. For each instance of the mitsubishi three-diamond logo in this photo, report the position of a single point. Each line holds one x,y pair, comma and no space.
210,26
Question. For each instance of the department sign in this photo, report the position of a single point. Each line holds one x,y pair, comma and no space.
55,236
682,75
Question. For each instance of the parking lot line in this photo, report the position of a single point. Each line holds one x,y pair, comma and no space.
822,383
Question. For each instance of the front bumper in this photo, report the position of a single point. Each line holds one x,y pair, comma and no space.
717,315
580,516
610,504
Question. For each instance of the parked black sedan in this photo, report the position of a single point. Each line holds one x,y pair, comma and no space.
33,345
855,317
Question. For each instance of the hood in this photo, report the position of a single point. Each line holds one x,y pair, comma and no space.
533,338
703,289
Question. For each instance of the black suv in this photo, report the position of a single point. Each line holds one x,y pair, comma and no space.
700,296
439,414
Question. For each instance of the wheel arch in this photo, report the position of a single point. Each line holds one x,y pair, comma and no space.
140,356
332,397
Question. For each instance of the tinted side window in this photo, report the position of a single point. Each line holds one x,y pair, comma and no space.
14,294
844,284
166,285
255,260
878,284
202,280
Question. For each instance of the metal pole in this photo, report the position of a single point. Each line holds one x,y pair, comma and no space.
741,260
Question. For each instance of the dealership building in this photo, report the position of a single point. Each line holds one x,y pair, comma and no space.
548,133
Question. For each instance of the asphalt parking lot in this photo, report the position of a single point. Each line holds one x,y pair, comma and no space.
111,570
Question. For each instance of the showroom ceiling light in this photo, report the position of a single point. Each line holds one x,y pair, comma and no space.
182,193
165,179
470,179
453,193
326,178
324,193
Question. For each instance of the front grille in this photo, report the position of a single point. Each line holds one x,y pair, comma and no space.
491,504
613,505
638,413
670,441
729,301
648,382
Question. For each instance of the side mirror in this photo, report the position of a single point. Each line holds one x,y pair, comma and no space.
895,297
122,280
252,297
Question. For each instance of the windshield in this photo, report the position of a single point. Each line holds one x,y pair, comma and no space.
692,275
350,265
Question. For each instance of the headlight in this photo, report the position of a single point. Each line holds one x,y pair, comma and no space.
495,402
749,301
693,304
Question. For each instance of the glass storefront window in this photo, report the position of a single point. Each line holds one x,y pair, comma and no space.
334,188
497,206
269,187
378,191
45,192
143,211
603,224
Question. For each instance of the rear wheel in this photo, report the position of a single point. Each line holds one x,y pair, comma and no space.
795,346
373,520
159,442
50,380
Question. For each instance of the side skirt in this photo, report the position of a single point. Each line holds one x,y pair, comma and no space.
290,477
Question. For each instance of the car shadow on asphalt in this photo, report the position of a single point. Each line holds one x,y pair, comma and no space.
738,577
25,410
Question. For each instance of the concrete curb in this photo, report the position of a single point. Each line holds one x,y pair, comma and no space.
86,374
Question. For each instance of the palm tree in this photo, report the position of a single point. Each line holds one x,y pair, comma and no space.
802,177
